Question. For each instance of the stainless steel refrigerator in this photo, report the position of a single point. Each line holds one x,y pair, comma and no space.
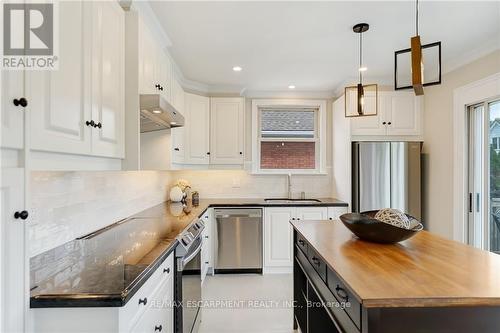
387,175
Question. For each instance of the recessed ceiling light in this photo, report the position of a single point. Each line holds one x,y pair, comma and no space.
291,86
363,69
237,68
157,111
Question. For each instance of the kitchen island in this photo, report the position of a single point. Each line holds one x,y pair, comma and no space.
424,284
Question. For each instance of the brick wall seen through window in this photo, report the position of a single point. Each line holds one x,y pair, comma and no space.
288,155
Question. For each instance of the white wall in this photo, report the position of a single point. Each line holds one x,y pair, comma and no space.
67,205
438,142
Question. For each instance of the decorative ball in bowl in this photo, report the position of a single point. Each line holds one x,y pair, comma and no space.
387,226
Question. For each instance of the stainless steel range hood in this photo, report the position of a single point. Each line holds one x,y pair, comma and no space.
158,114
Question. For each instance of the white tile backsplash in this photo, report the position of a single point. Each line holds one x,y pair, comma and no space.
241,184
67,205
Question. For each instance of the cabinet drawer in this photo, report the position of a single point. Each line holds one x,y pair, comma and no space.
302,243
344,295
316,262
137,305
158,316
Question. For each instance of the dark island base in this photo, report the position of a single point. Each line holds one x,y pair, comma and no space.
325,306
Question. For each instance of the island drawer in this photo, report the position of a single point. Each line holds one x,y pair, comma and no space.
316,262
345,297
302,243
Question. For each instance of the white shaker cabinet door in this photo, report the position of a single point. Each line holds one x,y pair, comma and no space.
12,115
227,130
335,212
12,256
404,114
197,133
58,101
278,237
108,79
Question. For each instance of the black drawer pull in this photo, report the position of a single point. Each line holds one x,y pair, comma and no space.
166,270
342,293
143,301
158,328
176,149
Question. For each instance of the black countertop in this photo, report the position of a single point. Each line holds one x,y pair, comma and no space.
107,267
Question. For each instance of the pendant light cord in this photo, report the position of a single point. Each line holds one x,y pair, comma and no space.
416,14
360,57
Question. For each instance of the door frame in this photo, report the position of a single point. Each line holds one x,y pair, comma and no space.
463,97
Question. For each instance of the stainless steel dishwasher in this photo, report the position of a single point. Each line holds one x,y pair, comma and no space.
238,240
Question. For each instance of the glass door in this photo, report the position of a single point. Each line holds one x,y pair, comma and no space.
484,175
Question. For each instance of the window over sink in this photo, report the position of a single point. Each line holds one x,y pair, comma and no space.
287,136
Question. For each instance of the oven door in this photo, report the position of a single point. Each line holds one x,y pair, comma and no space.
189,270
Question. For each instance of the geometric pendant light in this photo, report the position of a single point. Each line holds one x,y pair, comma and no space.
361,99
409,64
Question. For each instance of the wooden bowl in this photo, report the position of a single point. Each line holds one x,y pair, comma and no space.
366,227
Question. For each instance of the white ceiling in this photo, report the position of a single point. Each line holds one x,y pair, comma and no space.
311,44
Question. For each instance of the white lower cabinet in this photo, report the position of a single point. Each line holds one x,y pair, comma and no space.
278,233
311,213
149,310
335,212
207,245
278,242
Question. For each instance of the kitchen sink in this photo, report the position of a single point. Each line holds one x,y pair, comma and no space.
295,201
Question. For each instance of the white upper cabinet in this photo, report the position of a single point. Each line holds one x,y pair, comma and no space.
403,114
12,115
79,108
399,114
59,101
108,81
227,130
197,133
155,67
177,133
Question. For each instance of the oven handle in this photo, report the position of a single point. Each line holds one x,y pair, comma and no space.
187,259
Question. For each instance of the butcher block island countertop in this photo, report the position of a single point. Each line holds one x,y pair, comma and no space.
424,271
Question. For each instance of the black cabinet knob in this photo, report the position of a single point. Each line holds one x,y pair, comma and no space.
330,218
166,270
23,102
98,125
143,301
161,88
208,153
176,149
384,123
90,123
21,215
157,86
389,123
206,236
241,153
158,328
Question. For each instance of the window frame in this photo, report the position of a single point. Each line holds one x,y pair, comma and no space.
319,139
